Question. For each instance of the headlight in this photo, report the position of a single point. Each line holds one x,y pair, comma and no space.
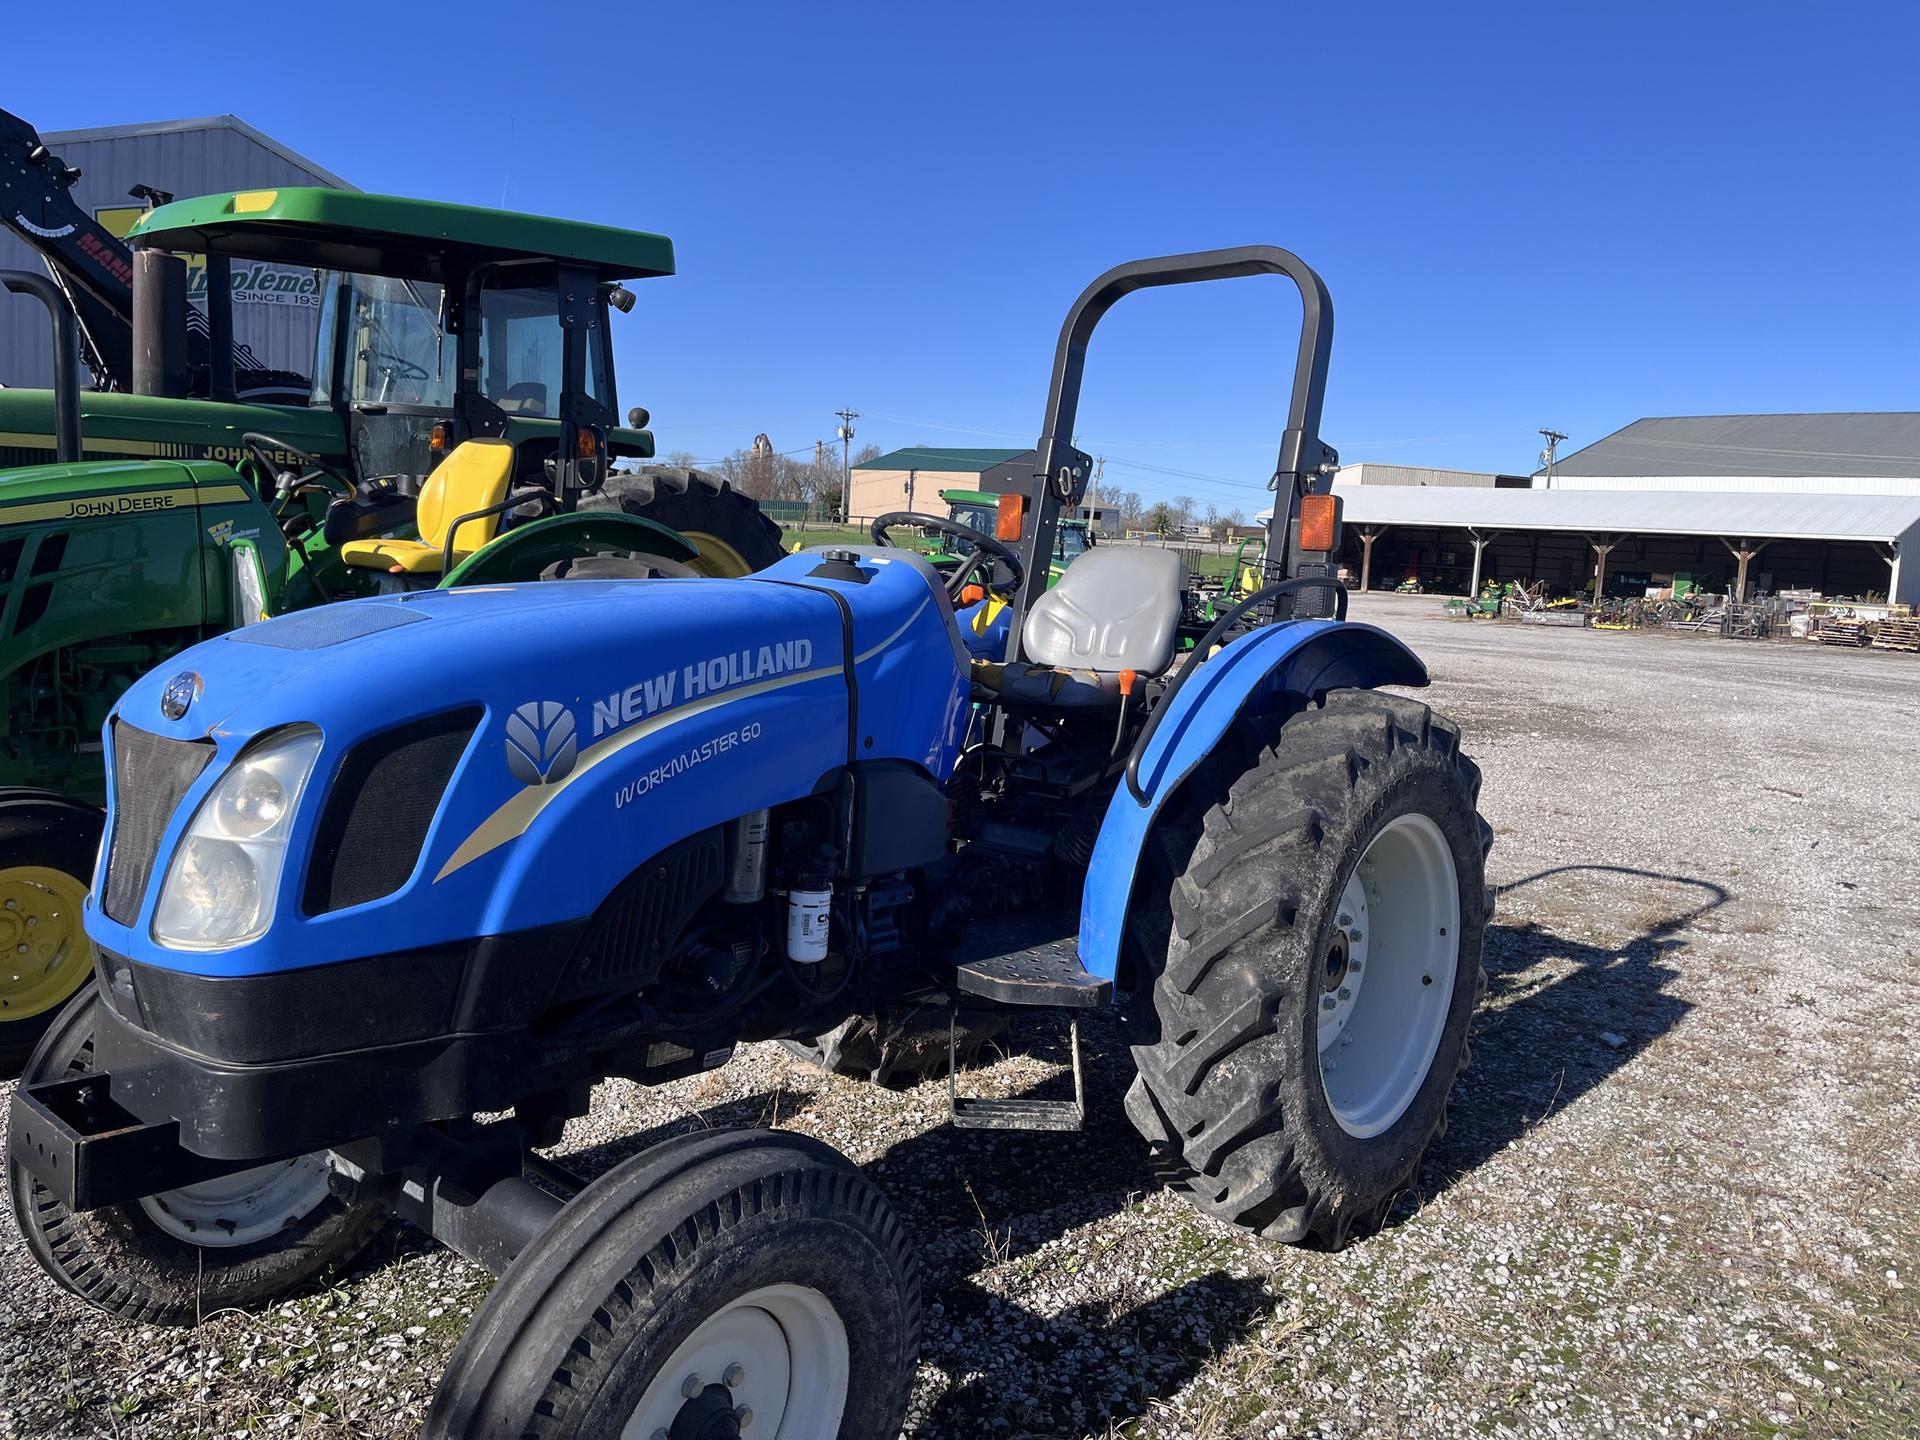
221,885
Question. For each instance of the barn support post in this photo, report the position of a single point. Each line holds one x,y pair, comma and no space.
1479,549
1602,547
1367,537
1743,554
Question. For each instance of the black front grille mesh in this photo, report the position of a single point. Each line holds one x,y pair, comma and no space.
379,809
150,775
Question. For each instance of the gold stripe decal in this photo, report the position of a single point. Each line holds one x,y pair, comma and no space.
110,503
516,817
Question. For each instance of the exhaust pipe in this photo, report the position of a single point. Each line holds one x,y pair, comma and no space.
66,358
159,324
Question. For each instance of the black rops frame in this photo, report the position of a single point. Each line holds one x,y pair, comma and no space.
1061,474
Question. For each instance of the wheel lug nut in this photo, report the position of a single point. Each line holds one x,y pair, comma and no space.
1355,936
691,1386
1355,966
1345,993
1345,919
733,1375
744,1415
1327,1002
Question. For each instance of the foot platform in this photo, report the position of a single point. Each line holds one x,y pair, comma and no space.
1003,960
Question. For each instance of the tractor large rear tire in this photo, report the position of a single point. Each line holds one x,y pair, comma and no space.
729,529
729,1282
47,848
1306,934
265,1233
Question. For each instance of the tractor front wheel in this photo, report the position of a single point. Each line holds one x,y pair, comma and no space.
730,531
47,848
731,1282
1306,936
171,1258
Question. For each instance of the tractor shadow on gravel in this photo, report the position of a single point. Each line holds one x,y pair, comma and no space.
1562,1014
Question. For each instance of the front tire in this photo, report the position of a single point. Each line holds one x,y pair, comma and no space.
1307,931
169,1259
716,1271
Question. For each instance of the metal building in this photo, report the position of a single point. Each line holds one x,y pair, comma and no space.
275,308
1862,452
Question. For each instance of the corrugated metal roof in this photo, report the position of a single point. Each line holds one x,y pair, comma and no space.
929,457
1882,518
1862,443
55,138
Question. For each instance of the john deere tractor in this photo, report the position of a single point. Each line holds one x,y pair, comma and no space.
461,429
390,886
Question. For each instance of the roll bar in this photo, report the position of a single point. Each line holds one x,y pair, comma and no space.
1062,471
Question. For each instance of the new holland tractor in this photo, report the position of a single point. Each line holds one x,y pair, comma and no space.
388,886
461,353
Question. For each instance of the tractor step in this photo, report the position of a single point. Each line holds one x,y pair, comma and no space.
1016,961
1016,1114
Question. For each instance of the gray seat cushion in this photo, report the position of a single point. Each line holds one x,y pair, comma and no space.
1116,608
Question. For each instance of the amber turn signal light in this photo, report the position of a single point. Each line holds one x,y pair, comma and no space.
1013,513
1319,522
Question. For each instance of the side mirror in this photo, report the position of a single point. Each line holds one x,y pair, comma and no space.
638,418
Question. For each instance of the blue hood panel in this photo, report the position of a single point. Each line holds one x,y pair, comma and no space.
689,702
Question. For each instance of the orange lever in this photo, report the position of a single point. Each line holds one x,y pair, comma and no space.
972,594
1127,677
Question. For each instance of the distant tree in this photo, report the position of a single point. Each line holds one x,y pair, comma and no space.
1183,507
681,459
1161,520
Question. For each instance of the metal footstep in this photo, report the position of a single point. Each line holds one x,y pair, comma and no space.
1021,1114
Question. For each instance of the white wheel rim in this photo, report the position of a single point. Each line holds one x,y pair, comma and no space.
1387,980
242,1208
786,1347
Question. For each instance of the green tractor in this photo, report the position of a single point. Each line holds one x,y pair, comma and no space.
461,430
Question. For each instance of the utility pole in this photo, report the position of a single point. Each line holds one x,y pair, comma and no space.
1553,439
847,417
819,466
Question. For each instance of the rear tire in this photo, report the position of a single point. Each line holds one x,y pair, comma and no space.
729,529
1256,956
132,1260
755,1249
47,848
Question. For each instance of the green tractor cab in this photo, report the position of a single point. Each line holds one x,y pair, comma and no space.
461,430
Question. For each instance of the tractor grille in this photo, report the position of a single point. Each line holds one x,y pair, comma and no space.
150,775
381,805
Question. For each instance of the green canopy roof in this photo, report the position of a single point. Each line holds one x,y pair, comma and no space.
389,235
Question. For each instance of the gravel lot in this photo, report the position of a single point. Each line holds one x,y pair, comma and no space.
1676,1196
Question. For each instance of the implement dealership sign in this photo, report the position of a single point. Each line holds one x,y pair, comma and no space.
254,281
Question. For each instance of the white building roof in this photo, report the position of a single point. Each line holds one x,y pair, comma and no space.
1879,518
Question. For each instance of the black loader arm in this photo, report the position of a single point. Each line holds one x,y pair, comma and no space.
91,264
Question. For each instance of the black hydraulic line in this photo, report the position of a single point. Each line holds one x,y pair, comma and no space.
1207,642
66,398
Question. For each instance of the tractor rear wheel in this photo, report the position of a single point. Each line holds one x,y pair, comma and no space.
171,1258
47,849
730,1282
732,534
1306,935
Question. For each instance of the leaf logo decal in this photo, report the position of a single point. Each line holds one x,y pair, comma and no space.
541,742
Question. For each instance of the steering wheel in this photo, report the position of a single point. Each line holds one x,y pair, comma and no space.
290,485
985,548
397,367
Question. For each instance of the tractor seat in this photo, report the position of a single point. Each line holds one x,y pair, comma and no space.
474,476
1115,608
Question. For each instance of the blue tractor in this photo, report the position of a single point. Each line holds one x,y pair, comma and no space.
378,869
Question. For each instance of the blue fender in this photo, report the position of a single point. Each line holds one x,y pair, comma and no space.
1296,657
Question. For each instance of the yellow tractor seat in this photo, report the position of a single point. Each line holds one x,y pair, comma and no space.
474,476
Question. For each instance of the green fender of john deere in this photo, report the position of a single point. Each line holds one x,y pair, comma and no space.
523,552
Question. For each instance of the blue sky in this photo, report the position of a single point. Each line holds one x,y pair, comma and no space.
1571,215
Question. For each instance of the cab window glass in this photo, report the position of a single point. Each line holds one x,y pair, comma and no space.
520,359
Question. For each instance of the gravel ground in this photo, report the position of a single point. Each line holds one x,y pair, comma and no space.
1675,1198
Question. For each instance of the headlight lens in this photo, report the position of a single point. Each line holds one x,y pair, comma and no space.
221,885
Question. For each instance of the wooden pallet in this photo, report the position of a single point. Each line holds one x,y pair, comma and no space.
1843,632
1897,635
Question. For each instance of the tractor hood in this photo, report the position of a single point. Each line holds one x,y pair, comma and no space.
569,720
